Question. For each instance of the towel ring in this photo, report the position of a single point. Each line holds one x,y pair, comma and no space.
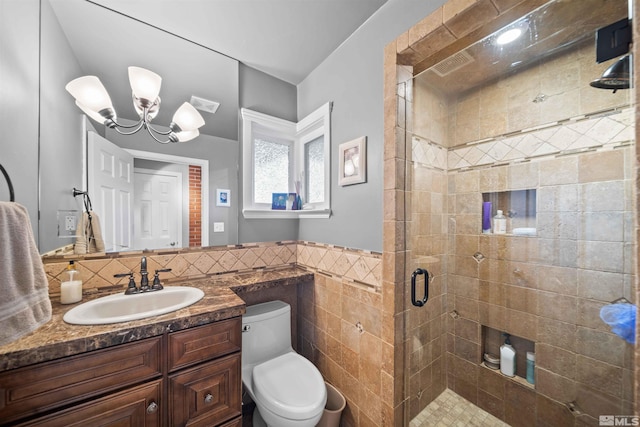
12,196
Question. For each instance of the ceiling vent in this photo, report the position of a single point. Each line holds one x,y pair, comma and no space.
452,63
205,105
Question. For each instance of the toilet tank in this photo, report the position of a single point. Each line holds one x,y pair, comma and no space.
266,332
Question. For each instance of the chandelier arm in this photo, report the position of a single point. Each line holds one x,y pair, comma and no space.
159,132
151,132
138,126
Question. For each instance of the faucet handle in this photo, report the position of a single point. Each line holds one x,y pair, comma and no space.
131,288
156,279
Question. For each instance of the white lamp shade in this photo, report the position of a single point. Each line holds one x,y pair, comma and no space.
187,117
144,83
90,93
92,114
187,135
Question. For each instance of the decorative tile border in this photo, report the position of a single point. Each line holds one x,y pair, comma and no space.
362,267
429,153
97,271
570,136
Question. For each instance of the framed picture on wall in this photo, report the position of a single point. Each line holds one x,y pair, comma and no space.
223,197
353,161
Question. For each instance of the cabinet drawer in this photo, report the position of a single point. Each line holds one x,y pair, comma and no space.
206,395
46,386
137,407
233,423
204,343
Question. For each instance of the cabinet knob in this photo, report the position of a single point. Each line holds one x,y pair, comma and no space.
152,408
208,398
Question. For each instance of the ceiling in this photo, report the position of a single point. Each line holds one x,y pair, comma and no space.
284,38
546,34
195,45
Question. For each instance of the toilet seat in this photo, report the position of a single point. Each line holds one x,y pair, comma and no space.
289,386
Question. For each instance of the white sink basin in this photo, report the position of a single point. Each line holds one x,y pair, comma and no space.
124,308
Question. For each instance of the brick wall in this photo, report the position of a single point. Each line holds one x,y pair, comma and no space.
195,206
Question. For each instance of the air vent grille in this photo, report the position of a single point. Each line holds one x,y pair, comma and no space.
452,63
205,105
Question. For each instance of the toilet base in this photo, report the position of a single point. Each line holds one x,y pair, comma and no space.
257,419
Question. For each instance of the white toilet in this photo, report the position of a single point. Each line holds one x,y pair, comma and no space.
288,389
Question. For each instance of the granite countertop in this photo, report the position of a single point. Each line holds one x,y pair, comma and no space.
57,339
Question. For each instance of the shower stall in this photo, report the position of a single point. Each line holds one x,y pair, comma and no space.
516,127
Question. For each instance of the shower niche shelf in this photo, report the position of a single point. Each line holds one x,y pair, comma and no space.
492,339
519,206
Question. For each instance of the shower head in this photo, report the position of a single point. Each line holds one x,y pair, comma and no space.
615,77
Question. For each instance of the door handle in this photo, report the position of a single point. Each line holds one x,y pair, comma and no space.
425,298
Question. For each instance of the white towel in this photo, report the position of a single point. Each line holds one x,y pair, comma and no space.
24,290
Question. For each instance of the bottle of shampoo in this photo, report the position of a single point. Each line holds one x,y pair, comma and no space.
71,287
507,358
499,223
531,364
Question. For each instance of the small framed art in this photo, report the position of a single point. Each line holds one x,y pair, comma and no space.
223,197
353,161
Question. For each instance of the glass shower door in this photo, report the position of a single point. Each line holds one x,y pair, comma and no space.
535,140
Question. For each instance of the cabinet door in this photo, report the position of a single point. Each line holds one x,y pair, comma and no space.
40,388
137,407
206,395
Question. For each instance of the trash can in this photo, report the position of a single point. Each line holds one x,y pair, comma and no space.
333,409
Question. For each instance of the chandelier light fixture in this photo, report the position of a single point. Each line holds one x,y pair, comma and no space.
93,99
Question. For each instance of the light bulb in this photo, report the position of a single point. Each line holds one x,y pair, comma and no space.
509,36
90,93
145,85
187,117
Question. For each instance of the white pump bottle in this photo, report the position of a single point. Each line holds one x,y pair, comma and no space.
507,358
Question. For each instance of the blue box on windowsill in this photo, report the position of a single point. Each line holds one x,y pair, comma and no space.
285,201
279,201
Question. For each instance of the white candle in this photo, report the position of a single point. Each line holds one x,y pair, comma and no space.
71,291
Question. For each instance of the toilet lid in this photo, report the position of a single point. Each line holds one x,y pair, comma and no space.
290,386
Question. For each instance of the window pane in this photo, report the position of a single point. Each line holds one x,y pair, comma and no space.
271,170
314,165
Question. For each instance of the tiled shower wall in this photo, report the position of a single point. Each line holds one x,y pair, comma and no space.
548,288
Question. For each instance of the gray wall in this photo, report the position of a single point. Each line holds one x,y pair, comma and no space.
60,133
19,106
352,77
266,94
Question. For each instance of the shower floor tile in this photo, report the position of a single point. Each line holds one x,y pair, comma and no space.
452,410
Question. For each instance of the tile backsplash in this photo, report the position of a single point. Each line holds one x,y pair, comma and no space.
97,271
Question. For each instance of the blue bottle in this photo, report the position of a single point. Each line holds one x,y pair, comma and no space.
531,364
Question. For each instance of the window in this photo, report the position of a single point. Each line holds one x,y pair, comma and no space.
280,156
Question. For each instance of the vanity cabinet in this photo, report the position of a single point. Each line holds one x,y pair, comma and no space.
185,377
205,388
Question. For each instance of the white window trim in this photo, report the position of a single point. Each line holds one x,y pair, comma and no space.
315,124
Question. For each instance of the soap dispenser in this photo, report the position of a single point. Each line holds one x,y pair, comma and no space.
71,287
507,358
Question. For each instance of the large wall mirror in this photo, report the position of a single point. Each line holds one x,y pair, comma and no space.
80,38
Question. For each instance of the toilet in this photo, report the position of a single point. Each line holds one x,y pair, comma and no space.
288,389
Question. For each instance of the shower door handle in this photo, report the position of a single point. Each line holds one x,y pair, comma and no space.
414,275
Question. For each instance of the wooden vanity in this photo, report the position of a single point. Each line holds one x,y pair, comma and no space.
182,368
